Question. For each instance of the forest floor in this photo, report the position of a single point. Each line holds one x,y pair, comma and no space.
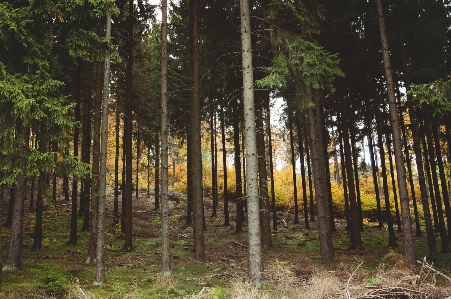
292,266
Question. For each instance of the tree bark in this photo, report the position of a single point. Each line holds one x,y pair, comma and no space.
165,249
116,169
343,173
271,166
293,167
303,180
238,181
224,166
408,243
393,181
254,232
317,150
199,243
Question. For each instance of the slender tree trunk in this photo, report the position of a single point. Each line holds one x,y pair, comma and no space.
309,174
165,249
265,227
54,149
14,259
100,262
128,133
271,166
374,171
31,206
411,183
355,159
95,166
438,154
37,237
393,182
138,157
86,158
116,170
293,167
189,191
343,173
408,243
327,173
302,161
124,179
253,212
213,170
199,243
238,181
157,171
356,239
224,166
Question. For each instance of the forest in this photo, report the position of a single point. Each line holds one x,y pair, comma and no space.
225,149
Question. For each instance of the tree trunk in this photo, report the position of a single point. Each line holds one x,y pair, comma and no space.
37,237
317,149
124,179
238,181
189,191
253,212
199,243
100,263
408,243
265,220
355,159
213,170
14,259
438,154
138,157
327,173
271,166
343,173
116,169
303,180
86,158
293,167
128,133
309,174
165,249
374,172
356,239
393,182
157,171
95,166
224,166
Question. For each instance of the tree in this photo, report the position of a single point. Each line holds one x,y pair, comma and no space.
251,146
408,243
100,263
165,250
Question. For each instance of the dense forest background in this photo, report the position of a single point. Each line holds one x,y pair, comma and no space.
344,124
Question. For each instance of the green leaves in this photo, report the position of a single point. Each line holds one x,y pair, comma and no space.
436,94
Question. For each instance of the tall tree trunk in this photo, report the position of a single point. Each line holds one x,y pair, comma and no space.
116,169
393,181
189,191
293,167
355,159
439,206
374,172
54,149
73,238
128,133
157,171
271,166
165,249
438,154
238,181
213,170
327,169
95,166
86,158
309,174
14,259
37,237
138,157
265,220
408,243
411,183
391,231
253,212
100,262
303,180
224,166
124,179
317,150
343,173
199,243
356,239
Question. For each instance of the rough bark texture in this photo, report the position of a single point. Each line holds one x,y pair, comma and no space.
224,167
408,242
322,206
165,249
100,262
14,259
199,244
254,233
238,181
